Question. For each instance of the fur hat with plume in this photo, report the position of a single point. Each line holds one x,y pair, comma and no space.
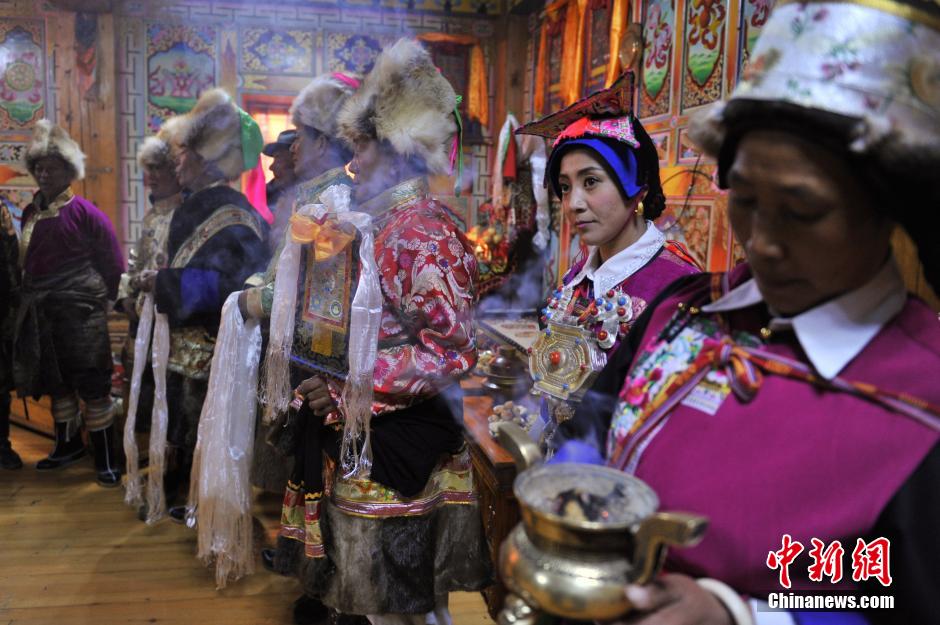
51,140
320,102
212,129
407,102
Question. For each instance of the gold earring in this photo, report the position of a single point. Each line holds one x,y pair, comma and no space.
639,209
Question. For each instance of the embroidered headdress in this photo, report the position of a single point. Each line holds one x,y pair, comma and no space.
605,124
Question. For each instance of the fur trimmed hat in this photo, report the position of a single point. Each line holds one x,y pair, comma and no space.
216,130
407,102
51,140
320,102
158,150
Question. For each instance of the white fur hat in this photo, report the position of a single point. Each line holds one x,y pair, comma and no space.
51,140
407,102
318,105
159,149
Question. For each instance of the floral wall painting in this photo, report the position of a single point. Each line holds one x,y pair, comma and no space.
181,64
754,14
705,35
658,34
278,52
22,68
352,53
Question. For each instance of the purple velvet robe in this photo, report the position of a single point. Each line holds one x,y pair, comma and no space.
80,232
796,459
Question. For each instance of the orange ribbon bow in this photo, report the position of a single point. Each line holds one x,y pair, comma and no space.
328,235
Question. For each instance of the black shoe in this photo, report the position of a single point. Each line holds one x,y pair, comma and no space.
108,473
267,559
310,611
338,618
177,514
9,459
68,449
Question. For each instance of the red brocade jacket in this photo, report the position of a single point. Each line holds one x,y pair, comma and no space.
428,279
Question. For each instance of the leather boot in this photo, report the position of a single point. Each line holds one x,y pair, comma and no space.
108,473
68,449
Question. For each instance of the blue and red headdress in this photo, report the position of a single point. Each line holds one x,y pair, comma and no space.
602,123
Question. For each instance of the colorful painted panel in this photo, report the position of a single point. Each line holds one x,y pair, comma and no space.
277,51
352,53
661,141
12,170
22,71
690,223
321,321
658,34
597,39
704,52
16,201
181,63
754,14
687,153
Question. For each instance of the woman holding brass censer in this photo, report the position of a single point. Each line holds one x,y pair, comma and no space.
794,398
605,169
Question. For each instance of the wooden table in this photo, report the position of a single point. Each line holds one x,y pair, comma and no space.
493,475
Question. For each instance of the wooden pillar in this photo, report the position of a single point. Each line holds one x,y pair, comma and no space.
91,119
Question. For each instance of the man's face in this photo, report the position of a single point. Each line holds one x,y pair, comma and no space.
189,167
283,166
161,180
53,175
305,152
370,166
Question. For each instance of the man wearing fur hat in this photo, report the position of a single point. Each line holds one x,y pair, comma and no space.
72,264
216,240
319,160
156,160
393,544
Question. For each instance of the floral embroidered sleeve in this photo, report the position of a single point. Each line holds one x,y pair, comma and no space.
426,341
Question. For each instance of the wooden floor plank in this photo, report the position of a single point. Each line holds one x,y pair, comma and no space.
72,553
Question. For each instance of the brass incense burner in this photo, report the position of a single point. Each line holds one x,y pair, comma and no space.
576,568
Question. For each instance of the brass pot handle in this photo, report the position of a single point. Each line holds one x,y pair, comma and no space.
659,531
523,450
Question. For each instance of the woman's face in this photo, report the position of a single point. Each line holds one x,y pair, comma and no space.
592,200
808,225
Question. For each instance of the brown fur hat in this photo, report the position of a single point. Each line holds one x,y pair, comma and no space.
51,140
318,105
213,130
407,102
